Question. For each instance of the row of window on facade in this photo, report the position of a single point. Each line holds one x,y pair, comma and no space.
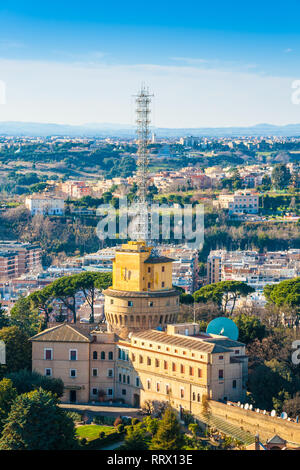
182,390
73,372
109,392
125,379
174,366
73,355
158,388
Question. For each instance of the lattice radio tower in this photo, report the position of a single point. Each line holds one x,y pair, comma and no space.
143,101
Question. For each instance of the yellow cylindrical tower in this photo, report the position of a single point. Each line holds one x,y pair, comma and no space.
142,295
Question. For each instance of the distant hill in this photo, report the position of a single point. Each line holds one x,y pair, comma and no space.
15,128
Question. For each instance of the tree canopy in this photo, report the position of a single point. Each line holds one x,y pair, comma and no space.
281,176
7,395
169,435
35,422
223,293
26,311
18,350
25,381
250,328
284,293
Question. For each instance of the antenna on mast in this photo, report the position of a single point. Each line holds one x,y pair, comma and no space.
141,223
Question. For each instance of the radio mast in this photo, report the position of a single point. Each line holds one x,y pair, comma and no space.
143,101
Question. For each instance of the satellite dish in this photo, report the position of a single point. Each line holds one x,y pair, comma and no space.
223,326
246,407
283,415
250,407
242,406
257,410
238,403
264,412
273,413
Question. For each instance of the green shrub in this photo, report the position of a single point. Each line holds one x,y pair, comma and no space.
105,420
120,428
108,439
76,417
25,381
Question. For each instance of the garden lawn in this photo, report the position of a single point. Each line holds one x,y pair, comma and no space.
92,431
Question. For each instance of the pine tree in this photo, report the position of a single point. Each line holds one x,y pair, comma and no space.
169,435
7,395
136,438
35,422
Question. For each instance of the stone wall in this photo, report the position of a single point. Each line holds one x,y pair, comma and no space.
264,425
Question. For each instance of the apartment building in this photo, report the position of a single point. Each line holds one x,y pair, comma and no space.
185,271
214,263
254,268
75,189
18,258
242,201
45,204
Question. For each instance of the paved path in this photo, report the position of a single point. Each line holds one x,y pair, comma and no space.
103,410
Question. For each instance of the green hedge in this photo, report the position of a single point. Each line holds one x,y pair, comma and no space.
107,420
109,439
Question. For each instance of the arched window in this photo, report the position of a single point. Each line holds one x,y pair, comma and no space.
194,396
95,355
110,355
198,397
102,355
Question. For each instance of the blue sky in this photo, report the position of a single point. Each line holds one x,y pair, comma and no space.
208,63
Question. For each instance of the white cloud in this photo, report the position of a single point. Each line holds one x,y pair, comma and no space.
185,96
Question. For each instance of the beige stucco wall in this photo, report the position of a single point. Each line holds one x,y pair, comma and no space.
61,365
140,314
